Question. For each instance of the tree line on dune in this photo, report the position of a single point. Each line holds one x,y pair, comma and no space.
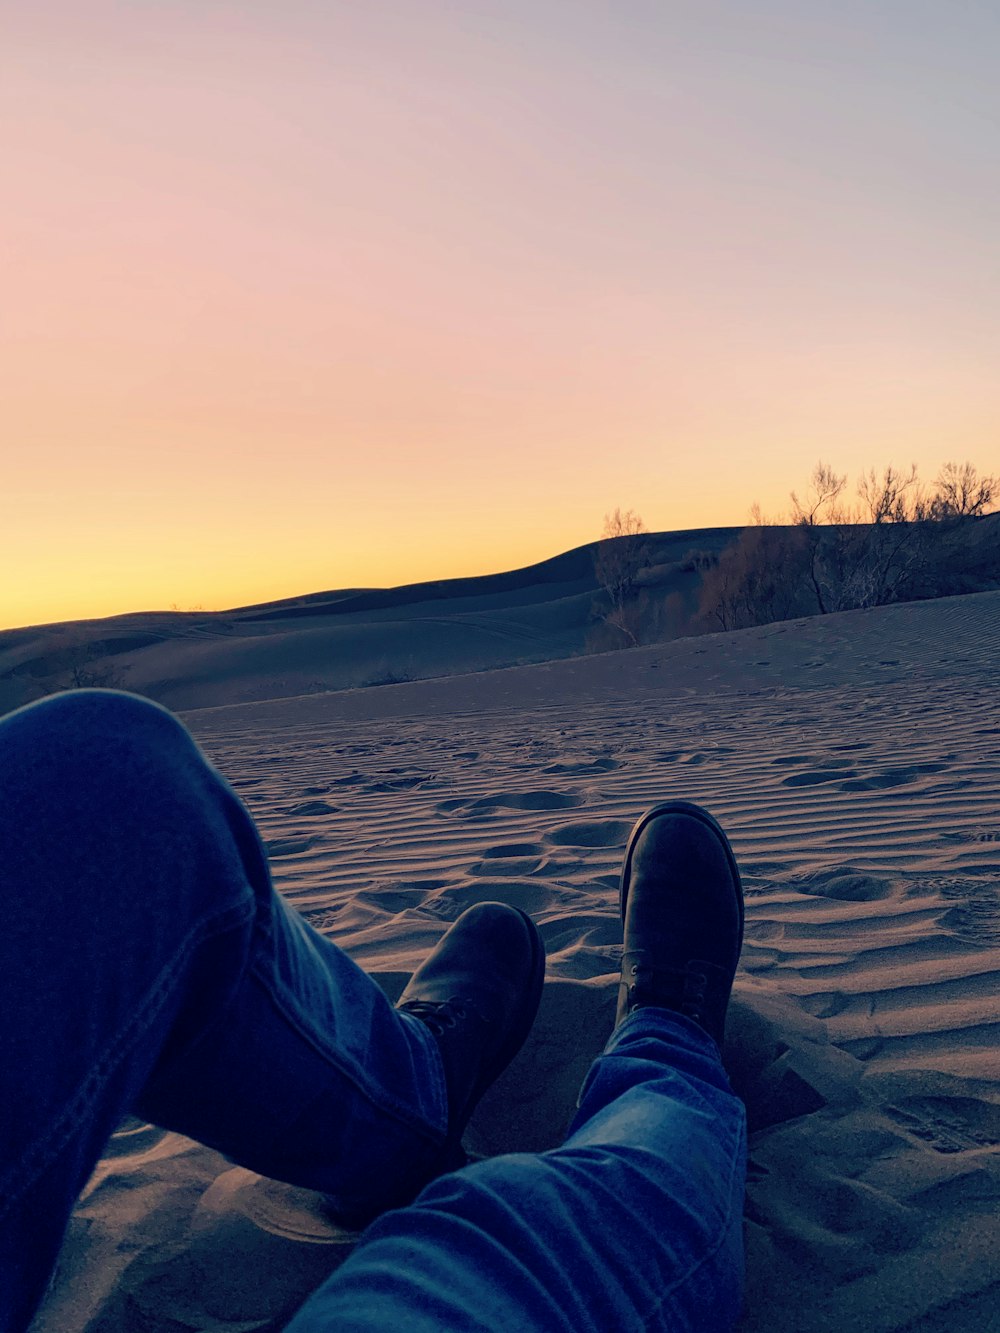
898,540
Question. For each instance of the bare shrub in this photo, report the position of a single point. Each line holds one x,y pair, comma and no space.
820,504
621,554
876,552
761,577
619,558
697,562
962,492
891,497
895,543
630,624
386,674
85,667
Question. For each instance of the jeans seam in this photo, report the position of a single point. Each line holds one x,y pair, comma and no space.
425,1039
288,1007
706,1257
44,1151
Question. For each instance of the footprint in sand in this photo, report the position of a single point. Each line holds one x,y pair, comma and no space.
583,767
313,808
513,858
815,777
680,757
322,918
394,784
892,777
395,897
524,800
591,833
290,846
975,915
949,1124
759,932
532,896
512,849
846,885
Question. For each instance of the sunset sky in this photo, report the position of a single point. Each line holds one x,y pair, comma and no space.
313,294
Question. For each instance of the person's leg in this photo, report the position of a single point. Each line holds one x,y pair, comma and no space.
634,1223
147,964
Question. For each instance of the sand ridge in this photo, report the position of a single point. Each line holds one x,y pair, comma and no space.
343,639
854,762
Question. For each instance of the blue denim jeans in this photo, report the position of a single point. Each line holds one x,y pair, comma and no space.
147,965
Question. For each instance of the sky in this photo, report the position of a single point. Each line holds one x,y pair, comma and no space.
320,294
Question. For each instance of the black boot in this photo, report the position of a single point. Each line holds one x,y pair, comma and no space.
682,915
478,992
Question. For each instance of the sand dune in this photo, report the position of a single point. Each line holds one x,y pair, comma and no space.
344,639
854,761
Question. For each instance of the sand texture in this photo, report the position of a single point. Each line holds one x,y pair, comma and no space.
853,759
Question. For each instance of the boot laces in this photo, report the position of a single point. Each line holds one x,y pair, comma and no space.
688,985
438,1015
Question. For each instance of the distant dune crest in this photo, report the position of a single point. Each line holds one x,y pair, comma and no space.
589,600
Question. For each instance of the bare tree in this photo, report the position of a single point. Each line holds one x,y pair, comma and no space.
825,488
621,553
962,492
630,619
619,558
891,543
820,507
891,497
869,554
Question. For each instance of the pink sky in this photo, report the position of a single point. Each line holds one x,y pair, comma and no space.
310,296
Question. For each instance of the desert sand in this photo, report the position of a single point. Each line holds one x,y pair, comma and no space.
852,759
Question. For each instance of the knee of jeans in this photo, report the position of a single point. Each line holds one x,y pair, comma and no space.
92,709
97,724
90,760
